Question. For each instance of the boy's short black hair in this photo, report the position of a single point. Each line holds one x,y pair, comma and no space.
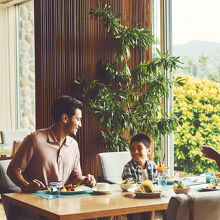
65,105
141,138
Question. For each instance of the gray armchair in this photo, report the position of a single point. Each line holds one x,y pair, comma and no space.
8,136
6,185
197,206
111,164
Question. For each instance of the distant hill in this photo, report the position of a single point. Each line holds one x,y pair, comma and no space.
194,49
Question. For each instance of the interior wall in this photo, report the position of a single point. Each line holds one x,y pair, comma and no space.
68,45
8,119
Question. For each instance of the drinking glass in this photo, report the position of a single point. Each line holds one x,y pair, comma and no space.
210,176
162,179
54,188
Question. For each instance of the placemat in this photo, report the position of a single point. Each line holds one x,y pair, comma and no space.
45,194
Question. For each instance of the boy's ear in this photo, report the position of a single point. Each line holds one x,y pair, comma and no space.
149,152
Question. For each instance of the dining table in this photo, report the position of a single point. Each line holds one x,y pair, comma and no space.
89,206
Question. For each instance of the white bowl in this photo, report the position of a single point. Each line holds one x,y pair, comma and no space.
127,186
184,190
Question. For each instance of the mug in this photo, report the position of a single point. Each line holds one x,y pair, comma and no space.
102,186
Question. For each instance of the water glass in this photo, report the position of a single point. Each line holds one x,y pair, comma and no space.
210,175
54,189
162,179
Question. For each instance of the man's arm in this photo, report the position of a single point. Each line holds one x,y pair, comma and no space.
17,178
211,153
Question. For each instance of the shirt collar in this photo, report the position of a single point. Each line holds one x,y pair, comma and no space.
135,164
52,138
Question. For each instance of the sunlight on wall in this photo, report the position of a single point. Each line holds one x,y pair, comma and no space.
26,66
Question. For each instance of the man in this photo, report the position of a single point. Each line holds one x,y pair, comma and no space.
51,154
211,153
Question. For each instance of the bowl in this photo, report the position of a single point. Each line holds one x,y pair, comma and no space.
127,186
183,190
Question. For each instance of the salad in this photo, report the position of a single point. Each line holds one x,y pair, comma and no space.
129,181
71,187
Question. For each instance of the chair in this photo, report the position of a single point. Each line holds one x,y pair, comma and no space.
111,164
6,185
8,136
197,206
15,146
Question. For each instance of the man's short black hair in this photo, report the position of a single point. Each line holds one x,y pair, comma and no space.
65,105
141,138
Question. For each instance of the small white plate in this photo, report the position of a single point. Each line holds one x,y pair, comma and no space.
209,189
147,195
99,192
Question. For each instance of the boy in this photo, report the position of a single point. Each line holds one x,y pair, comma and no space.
140,167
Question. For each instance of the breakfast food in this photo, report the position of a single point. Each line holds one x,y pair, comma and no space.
71,187
129,181
147,187
180,188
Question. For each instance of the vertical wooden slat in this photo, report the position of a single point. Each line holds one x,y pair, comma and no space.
68,45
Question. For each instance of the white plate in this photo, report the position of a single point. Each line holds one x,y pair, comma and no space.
207,189
99,192
83,189
147,195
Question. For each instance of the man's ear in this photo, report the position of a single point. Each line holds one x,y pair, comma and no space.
65,118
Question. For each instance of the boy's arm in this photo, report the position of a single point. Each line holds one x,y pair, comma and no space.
154,170
126,174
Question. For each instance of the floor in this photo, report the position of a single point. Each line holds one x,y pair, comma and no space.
2,212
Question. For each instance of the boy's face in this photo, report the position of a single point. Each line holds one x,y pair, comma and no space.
138,151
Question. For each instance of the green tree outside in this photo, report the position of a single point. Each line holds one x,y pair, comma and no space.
197,106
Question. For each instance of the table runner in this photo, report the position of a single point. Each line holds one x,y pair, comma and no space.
45,194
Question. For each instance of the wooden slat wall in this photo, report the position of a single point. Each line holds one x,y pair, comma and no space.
68,45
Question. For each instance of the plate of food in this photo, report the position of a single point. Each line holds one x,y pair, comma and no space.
210,187
128,183
71,189
147,190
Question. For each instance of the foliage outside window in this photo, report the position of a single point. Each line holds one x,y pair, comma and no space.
197,105
123,99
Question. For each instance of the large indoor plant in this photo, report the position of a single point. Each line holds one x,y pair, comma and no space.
123,99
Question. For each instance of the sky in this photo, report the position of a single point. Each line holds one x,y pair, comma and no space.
196,20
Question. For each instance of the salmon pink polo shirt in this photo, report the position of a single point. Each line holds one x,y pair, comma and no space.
41,157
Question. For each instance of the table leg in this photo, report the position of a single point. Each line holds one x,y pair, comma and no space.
141,216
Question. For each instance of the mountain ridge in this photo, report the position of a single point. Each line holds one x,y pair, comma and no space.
194,49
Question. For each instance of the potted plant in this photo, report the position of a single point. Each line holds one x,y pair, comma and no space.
124,99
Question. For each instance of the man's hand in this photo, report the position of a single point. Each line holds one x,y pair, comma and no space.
89,180
33,186
210,152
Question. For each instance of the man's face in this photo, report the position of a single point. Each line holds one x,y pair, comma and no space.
74,123
138,151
